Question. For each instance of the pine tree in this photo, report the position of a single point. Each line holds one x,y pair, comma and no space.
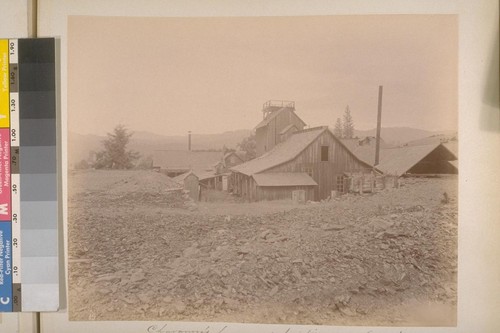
337,131
348,124
115,154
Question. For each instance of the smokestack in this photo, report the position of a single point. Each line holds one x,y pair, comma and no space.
379,122
189,140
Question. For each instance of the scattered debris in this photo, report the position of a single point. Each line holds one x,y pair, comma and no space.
148,257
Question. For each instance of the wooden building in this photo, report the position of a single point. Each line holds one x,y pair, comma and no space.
411,160
233,158
280,185
177,162
229,160
192,186
280,121
313,160
214,176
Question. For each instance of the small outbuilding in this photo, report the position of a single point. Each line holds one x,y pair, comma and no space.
192,186
411,160
177,162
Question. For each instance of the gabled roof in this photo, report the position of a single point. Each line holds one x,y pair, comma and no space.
452,146
185,159
235,154
202,175
445,137
284,151
454,163
284,179
354,143
274,114
351,144
397,161
217,163
281,153
289,127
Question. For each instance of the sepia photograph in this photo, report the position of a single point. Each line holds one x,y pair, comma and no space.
272,170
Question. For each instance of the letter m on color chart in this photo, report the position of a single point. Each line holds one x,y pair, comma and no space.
4,209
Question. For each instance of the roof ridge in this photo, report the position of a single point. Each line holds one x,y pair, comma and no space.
316,132
311,129
270,116
190,151
435,144
305,147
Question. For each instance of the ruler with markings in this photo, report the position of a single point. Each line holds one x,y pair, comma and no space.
28,176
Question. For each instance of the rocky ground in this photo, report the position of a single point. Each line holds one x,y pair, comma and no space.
143,251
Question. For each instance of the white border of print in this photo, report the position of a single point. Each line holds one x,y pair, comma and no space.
478,294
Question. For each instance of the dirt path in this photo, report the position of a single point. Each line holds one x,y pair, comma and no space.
383,259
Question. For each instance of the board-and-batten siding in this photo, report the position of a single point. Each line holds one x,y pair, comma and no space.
269,136
283,192
340,160
246,187
260,140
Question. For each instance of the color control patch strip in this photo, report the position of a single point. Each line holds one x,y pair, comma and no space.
28,176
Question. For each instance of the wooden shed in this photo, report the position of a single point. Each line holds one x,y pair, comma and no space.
192,186
423,159
313,160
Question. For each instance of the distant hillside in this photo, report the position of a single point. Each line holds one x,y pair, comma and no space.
401,135
81,145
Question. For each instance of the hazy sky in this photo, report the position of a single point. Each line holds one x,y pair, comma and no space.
211,75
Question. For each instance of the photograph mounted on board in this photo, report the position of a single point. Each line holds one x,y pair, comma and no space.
294,170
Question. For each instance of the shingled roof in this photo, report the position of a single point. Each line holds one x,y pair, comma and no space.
202,175
281,153
284,151
397,161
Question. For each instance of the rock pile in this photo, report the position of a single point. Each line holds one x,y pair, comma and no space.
315,264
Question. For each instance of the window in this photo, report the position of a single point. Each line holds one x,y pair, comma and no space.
324,153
